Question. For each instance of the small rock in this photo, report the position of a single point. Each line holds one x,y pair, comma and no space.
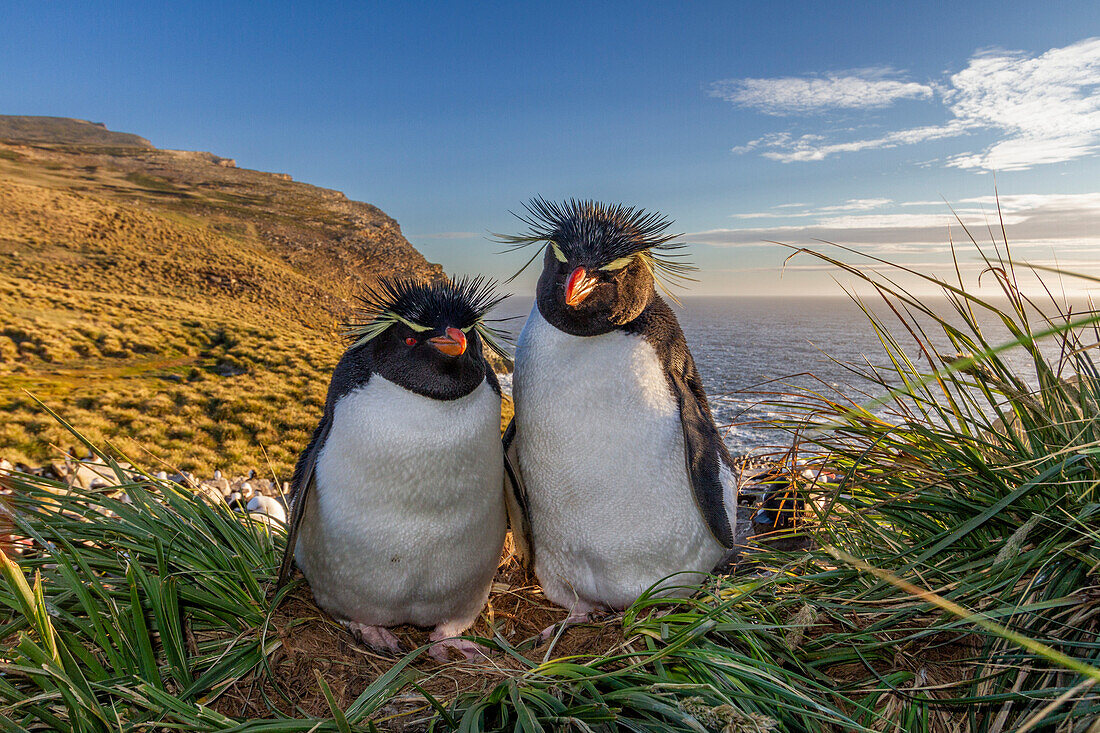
89,475
269,506
6,468
221,482
211,493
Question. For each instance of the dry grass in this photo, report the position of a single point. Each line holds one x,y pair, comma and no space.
170,305
154,610
311,643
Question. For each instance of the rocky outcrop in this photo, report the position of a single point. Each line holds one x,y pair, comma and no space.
65,131
203,157
343,243
171,299
245,493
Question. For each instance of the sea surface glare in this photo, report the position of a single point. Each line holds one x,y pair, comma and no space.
746,347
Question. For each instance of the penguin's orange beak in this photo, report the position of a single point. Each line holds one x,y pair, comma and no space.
578,287
453,344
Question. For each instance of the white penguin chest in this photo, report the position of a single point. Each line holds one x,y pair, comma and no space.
407,520
394,452
597,386
601,448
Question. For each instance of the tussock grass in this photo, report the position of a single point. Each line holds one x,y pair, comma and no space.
953,583
976,482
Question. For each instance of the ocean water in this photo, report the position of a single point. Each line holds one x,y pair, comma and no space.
755,352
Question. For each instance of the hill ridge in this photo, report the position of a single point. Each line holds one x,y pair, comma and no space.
64,130
171,301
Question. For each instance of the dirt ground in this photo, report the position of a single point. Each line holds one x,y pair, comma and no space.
310,642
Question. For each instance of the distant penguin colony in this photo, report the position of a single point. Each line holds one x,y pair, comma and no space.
617,480
398,513
619,470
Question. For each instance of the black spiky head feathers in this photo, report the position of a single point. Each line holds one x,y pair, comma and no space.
425,305
605,236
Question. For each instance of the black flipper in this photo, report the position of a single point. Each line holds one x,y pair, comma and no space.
703,453
515,499
704,450
352,371
491,378
305,478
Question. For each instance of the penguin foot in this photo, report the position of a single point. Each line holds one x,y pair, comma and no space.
447,648
574,618
378,638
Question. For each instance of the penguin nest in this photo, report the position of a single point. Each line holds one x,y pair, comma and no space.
310,642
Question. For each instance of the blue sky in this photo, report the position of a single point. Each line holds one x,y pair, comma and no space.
743,123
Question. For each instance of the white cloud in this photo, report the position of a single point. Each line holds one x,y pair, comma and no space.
763,215
1069,202
1059,221
857,89
809,147
446,235
1045,109
773,140
849,205
857,205
1047,106
967,261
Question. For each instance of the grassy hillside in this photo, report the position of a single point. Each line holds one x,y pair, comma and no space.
65,130
951,585
169,300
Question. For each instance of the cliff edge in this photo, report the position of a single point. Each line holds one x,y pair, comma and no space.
169,299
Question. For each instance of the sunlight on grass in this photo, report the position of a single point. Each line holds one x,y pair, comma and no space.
952,584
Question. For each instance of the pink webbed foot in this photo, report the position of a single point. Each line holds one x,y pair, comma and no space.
378,638
574,618
446,647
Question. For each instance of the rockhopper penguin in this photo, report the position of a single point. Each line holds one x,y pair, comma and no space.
398,503
621,476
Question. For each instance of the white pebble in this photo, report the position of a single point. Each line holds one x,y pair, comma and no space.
261,504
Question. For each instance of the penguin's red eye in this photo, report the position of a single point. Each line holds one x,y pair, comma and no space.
410,341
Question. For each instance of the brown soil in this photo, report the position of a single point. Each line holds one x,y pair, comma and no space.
943,665
311,642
